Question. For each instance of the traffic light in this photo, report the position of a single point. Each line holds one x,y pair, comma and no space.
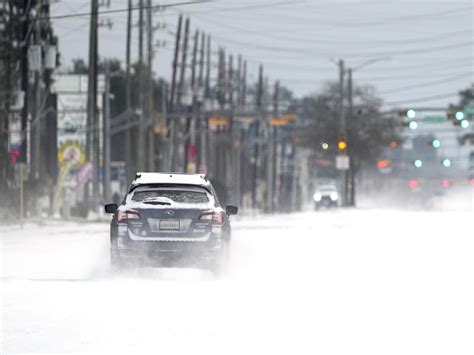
418,163
413,125
14,155
407,117
384,164
393,144
446,163
458,118
342,145
436,143
411,114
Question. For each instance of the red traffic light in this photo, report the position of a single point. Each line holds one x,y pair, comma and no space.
413,184
14,155
383,164
393,144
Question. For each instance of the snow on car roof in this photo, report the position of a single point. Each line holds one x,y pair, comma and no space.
170,178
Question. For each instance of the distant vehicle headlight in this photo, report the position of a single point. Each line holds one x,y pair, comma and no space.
334,196
317,197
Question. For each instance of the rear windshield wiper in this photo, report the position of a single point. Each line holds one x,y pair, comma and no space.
154,202
157,201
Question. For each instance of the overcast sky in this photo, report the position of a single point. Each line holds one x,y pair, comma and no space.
426,47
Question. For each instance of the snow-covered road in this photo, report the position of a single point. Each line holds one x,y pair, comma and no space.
337,282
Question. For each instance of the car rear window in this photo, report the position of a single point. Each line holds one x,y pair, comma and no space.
179,196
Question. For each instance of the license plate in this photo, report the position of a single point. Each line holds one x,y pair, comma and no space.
169,224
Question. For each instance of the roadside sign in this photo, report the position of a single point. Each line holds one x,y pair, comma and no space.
342,162
434,119
469,109
71,152
218,121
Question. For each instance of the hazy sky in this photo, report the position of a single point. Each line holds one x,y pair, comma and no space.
426,46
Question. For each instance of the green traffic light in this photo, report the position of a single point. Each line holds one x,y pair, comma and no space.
418,163
446,163
465,124
436,143
411,114
459,115
413,125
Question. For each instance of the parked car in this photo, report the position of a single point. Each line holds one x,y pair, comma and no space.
171,220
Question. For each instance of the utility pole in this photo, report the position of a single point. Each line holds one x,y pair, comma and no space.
178,156
141,94
243,173
24,80
206,58
191,148
150,106
231,149
244,86
256,157
128,95
92,101
6,39
350,181
342,127
172,104
222,84
200,117
106,136
35,151
271,152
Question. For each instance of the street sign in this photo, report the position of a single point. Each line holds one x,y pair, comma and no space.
434,119
342,162
218,121
71,152
469,110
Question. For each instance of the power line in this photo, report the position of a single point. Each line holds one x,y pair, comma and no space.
431,83
154,7
323,20
271,34
422,99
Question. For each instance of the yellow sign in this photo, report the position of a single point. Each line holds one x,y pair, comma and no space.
159,129
218,121
71,152
283,120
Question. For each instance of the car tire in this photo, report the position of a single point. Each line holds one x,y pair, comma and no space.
116,261
219,265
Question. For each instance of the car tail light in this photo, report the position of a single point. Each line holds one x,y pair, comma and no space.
124,216
446,183
214,216
413,184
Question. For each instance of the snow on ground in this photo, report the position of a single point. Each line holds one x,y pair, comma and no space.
333,282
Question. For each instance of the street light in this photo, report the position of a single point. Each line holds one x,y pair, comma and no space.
369,62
